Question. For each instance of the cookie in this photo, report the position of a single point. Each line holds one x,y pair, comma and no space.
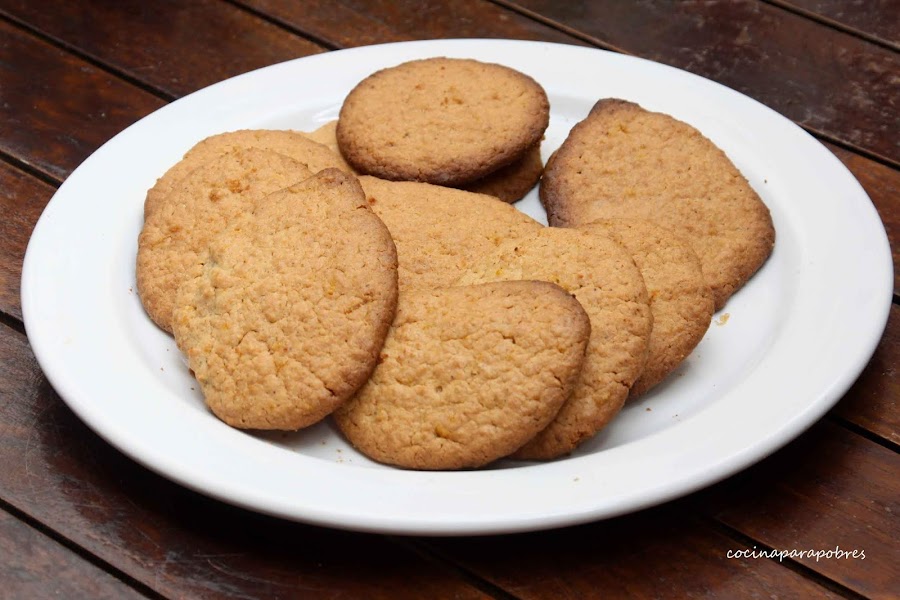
468,374
680,300
286,318
445,121
509,183
327,136
625,162
292,144
440,231
604,279
212,197
512,182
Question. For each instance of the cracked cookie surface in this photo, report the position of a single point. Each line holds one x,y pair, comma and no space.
213,197
680,300
468,374
440,231
286,319
445,121
626,162
293,144
602,276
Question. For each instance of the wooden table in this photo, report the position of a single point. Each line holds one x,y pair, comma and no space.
80,520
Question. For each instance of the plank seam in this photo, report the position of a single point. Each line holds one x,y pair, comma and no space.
95,62
82,553
834,24
13,323
864,433
319,41
435,556
29,169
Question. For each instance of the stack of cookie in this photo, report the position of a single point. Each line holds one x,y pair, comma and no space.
353,272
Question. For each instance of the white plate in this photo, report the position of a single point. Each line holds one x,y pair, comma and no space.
796,338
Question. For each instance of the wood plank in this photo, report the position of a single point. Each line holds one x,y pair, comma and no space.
35,566
829,489
176,47
830,82
872,401
57,109
882,184
661,553
22,198
875,19
179,543
364,22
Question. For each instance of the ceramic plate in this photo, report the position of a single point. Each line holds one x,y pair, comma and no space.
783,350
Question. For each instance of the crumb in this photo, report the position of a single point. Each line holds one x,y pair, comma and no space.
648,409
722,319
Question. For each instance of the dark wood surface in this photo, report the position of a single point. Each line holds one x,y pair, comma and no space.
80,520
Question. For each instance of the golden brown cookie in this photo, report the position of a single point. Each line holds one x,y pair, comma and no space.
604,279
292,144
287,317
468,374
212,197
327,136
513,181
439,231
680,300
625,162
445,121
509,183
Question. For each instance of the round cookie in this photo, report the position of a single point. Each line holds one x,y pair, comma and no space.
680,301
445,121
440,231
287,317
468,374
512,182
604,279
509,183
293,144
625,162
212,197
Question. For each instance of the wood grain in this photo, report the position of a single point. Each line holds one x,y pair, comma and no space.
363,22
56,109
176,47
874,19
831,82
662,553
872,401
830,488
178,543
35,566
22,198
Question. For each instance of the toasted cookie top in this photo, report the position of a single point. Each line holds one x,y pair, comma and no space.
212,197
680,300
439,231
293,144
624,161
604,279
468,374
287,316
446,121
